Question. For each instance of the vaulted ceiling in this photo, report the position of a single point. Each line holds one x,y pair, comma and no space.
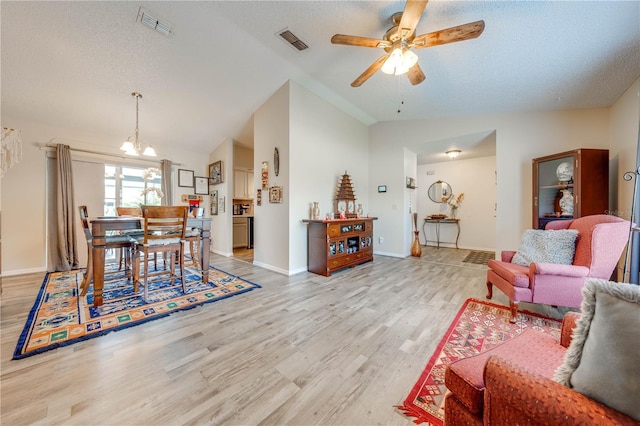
75,64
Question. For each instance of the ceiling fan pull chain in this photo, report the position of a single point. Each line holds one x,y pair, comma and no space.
401,95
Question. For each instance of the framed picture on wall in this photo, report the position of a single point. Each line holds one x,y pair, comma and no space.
185,178
201,185
216,173
214,202
275,194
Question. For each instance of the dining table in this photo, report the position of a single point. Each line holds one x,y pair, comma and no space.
103,224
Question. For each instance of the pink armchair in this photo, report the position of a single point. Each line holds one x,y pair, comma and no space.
601,240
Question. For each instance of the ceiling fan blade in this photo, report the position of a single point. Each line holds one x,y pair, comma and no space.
350,40
369,71
410,16
450,35
415,74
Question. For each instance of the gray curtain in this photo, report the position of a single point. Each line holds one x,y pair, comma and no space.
167,182
62,243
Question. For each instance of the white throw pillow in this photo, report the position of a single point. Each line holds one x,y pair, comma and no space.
546,246
603,359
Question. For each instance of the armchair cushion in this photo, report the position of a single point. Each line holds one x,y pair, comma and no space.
517,275
555,246
603,359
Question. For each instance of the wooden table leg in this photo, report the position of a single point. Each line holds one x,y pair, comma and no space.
98,274
204,254
98,233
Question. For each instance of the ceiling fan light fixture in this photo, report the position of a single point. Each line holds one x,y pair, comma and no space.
453,153
399,61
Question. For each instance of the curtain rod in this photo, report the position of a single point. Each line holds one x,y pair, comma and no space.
88,151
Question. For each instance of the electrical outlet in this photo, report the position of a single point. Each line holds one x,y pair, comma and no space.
381,240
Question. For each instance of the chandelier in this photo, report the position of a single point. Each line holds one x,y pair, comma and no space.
132,145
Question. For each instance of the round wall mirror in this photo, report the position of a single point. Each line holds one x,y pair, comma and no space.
439,191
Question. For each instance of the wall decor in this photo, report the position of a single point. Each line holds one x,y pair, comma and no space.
216,173
185,178
201,185
275,194
214,202
188,197
265,175
259,197
382,188
411,183
221,207
276,161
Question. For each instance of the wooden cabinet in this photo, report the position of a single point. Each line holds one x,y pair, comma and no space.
242,184
240,232
570,185
338,244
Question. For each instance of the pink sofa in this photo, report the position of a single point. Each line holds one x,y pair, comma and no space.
512,384
601,240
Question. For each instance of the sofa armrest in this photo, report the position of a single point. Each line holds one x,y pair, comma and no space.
507,255
569,322
558,269
514,395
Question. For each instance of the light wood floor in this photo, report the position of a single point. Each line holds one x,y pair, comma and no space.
302,350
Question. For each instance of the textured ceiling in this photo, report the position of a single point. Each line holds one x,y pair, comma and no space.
75,64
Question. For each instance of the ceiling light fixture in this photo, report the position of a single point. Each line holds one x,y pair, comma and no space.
132,145
400,60
453,153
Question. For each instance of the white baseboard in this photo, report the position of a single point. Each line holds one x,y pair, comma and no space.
382,253
23,271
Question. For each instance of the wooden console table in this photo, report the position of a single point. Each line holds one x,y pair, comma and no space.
337,244
437,223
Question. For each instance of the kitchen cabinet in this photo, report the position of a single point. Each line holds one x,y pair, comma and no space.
243,184
240,232
569,185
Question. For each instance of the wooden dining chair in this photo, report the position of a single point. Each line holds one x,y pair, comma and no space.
133,233
192,237
122,242
164,229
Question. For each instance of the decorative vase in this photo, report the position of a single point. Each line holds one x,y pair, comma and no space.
416,248
315,211
359,211
453,212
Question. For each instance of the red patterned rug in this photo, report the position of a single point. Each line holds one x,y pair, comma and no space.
479,326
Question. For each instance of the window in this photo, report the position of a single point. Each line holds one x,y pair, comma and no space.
126,186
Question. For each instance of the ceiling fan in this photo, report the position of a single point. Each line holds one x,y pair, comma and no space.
399,39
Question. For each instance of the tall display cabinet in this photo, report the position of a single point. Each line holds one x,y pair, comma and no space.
570,185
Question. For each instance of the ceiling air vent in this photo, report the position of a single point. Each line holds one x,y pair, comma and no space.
292,39
154,23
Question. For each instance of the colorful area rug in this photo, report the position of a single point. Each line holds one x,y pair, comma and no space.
61,317
479,326
479,257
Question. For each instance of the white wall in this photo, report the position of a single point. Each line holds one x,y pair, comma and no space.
24,188
271,220
222,223
317,144
624,131
476,178
519,138
324,143
410,204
